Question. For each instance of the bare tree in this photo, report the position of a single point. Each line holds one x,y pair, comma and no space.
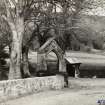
16,13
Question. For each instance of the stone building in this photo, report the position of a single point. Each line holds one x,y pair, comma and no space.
61,63
50,46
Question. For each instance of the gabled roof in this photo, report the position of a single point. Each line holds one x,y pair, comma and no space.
50,41
72,60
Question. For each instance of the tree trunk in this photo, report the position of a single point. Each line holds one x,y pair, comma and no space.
25,63
16,48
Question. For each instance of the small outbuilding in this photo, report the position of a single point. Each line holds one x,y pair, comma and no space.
92,64
72,67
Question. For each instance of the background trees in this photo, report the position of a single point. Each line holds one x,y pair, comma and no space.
42,16
30,23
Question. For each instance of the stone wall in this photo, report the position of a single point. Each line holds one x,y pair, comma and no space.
16,88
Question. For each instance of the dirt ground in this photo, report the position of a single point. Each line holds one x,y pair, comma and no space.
80,92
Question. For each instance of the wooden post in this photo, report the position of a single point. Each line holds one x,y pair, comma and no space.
77,73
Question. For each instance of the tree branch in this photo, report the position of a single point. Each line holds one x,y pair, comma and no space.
4,17
14,2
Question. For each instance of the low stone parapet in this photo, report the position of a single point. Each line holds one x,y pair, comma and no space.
20,87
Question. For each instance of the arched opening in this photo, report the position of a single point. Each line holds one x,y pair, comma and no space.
52,63
44,52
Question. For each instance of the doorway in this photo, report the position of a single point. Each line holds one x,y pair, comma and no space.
52,63
70,70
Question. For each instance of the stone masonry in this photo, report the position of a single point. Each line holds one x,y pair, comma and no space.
16,88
